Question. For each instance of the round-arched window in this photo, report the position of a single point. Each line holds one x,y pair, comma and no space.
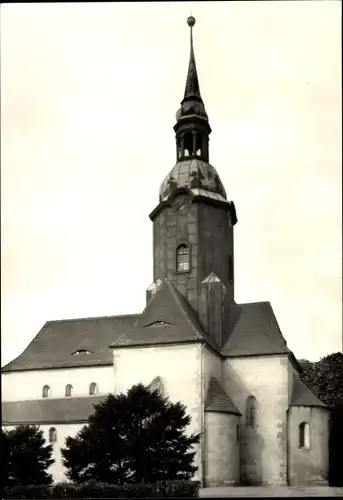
93,389
182,258
46,393
304,435
158,385
52,435
68,390
251,411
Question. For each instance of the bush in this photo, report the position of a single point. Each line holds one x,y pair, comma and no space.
180,488
64,490
23,491
92,489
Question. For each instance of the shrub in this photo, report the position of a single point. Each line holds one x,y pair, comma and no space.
178,488
63,490
93,489
23,491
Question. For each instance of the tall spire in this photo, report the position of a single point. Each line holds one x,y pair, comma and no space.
192,129
192,89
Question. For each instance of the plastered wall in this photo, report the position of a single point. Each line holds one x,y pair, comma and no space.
263,450
23,386
179,366
308,465
222,449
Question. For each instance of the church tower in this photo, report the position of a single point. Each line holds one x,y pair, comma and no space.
193,224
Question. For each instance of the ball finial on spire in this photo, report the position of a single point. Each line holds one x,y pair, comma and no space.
191,21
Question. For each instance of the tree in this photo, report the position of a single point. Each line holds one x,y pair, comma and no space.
325,377
27,456
132,438
4,459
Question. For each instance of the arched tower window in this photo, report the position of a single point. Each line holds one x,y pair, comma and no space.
304,435
46,392
52,435
251,411
188,144
191,144
68,390
93,389
158,385
182,258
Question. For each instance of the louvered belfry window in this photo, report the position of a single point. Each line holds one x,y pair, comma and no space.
182,258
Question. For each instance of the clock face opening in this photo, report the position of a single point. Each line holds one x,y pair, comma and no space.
182,204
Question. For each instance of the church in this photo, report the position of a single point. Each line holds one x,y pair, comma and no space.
227,362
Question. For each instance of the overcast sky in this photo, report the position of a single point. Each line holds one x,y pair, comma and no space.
88,100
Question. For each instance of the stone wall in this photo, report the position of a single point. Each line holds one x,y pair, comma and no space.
221,449
263,450
308,465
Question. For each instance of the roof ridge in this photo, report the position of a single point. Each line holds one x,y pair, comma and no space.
254,303
65,320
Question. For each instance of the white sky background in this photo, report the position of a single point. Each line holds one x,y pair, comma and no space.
88,100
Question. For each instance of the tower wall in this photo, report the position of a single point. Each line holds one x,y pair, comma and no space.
208,232
221,449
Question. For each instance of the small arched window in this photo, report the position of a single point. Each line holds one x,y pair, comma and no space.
158,385
52,435
182,258
68,390
304,435
93,389
251,411
46,392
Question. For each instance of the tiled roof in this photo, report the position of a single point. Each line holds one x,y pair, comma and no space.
49,411
55,344
253,330
170,307
302,394
217,399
